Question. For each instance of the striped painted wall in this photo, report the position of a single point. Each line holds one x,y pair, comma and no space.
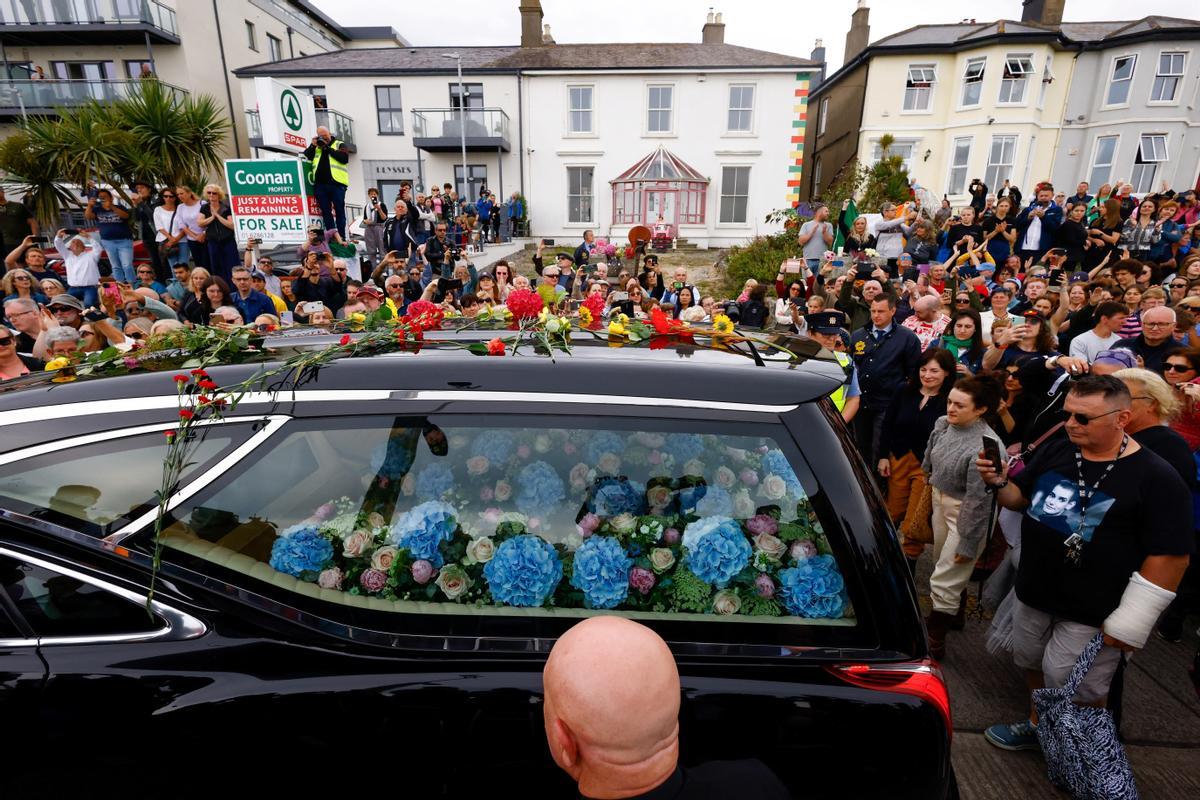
799,121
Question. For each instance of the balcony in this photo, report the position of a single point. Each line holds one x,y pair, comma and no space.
38,98
86,22
341,126
440,130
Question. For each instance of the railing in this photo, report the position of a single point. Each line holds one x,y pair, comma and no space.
87,12
50,93
450,123
339,125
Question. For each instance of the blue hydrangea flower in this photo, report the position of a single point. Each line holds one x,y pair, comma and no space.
814,588
601,571
683,447
539,488
602,442
524,571
613,496
774,462
302,550
423,529
496,446
434,481
715,502
391,458
716,552
690,496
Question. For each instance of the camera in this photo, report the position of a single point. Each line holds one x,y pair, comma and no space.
455,252
733,311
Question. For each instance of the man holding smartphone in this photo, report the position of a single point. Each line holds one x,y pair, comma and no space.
374,217
29,255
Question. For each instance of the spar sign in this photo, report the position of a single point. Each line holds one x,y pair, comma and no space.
287,117
269,199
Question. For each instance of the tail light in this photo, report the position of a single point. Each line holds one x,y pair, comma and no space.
921,679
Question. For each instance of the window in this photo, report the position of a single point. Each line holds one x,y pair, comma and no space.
477,180
1000,160
1047,79
251,36
388,110
901,148
816,181
1017,70
823,116
735,194
579,194
317,93
659,105
741,109
497,510
1122,79
1152,151
973,82
274,48
136,68
918,88
57,605
99,487
579,110
473,92
1102,160
1167,78
960,161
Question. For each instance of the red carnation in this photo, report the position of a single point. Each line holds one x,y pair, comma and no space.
181,378
426,315
345,340
495,347
595,304
525,304
206,384
199,373
185,413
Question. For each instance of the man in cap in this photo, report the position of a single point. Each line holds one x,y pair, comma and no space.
370,297
826,328
562,270
82,257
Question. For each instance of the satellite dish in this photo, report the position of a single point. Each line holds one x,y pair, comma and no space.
640,234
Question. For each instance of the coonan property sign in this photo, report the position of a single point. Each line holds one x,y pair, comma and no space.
268,199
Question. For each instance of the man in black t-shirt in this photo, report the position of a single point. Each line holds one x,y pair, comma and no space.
1157,339
1105,540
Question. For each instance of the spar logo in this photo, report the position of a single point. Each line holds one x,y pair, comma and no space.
290,107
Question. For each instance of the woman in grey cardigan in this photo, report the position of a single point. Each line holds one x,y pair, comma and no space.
962,507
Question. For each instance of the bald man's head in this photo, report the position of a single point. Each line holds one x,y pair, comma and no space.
927,307
612,707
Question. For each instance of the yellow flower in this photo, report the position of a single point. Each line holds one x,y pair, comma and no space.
543,314
585,316
722,324
623,319
358,317
66,370
58,363
616,328
566,324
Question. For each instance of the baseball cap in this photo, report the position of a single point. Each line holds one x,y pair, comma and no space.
1116,358
366,290
66,300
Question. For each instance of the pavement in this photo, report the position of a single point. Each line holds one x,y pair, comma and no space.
1161,725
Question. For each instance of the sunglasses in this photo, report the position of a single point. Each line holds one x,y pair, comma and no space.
169,196
1177,368
136,336
22,278
1178,285
1084,419
6,341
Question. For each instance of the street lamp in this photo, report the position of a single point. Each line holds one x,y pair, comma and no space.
462,121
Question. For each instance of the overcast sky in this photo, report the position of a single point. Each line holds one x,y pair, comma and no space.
780,26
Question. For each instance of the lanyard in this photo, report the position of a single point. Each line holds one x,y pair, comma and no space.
1074,542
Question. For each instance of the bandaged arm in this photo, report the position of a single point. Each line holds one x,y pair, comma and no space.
1141,605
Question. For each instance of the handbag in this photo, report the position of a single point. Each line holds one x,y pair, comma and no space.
169,251
918,526
1017,462
1083,754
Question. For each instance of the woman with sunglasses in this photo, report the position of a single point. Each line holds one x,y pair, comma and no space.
790,309
171,233
13,364
631,304
216,219
488,290
52,287
1181,370
18,283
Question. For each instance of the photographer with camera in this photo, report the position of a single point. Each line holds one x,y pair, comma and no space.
374,217
979,192
312,286
440,251
327,159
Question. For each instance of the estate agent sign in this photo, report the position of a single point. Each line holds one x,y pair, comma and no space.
286,115
269,199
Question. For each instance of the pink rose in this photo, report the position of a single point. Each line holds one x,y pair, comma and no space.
762,523
324,512
609,463
523,451
357,544
749,477
588,524
642,579
658,497
725,477
384,557
579,476
503,491
535,523
764,586
655,457
372,580
422,571
486,494
569,448
491,515
131,363
773,546
478,465
803,549
671,536
331,578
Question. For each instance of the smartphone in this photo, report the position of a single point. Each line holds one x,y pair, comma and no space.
548,242
215,319
589,268
619,297
287,318
991,451
41,240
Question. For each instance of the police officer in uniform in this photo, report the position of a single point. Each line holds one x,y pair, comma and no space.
825,328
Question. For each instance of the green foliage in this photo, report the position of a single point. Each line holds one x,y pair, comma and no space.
886,181
689,593
154,134
759,259
755,606
845,185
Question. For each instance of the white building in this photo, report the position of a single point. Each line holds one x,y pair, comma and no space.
559,123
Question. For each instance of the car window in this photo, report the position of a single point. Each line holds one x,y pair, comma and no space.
57,605
98,487
653,518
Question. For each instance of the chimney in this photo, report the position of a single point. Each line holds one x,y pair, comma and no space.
547,37
531,23
713,31
817,55
859,35
1044,12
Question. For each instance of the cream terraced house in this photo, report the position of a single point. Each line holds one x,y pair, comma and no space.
1018,100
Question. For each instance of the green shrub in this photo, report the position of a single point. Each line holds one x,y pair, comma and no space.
759,259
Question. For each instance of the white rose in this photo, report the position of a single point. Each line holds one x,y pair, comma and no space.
383,558
480,551
331,578
623,523
453,581
743,505
542,443
376,520
773,487
609,463
503,491
580,476
772,545
694,467
726,602
662,559
477,465
725,477
357,544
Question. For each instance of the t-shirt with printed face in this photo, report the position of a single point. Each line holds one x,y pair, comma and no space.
1141,508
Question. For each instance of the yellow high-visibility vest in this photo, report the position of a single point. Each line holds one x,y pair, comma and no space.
838,395
337,170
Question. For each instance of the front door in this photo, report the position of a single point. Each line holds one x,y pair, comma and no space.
660,209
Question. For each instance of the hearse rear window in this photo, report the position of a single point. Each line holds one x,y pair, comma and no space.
541,515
